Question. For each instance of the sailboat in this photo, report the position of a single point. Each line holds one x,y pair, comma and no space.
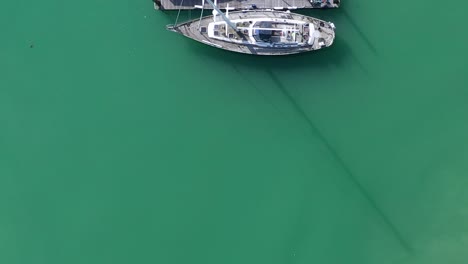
258,32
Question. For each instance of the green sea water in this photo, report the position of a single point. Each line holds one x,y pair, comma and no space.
121,142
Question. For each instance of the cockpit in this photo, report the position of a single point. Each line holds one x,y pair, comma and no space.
274,32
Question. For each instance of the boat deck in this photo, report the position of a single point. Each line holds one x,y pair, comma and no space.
247,4
274,44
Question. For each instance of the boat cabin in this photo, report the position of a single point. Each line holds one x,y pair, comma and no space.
263,32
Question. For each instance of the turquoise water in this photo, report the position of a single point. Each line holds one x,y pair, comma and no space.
121,142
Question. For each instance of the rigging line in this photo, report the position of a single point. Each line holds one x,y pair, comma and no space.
201,15
178,13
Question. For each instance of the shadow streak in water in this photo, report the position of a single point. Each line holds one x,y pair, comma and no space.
255,86
336,156
359,31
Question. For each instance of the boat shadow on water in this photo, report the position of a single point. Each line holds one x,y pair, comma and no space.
338,55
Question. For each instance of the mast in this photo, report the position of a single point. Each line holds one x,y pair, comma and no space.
225,18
